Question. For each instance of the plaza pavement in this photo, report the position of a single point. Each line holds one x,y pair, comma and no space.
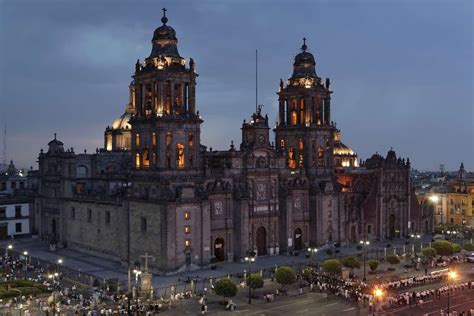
106,269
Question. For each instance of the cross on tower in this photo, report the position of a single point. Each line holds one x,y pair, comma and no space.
146,256
164,11
304,44
54,135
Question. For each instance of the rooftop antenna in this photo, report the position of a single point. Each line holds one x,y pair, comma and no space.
4,154
256,81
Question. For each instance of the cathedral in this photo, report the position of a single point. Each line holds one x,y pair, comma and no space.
154,188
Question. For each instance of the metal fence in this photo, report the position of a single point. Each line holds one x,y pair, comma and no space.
199,285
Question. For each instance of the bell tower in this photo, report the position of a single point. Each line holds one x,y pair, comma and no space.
304,132
165,126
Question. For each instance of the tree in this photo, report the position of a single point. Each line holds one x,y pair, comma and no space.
456,248
469,246
255,281
392,259
285,276
332,266
373,264
351,262
429,252
443,248
226,288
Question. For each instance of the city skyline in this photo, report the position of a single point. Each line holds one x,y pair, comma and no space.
77,84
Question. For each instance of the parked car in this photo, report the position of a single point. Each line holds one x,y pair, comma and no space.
470,257
439,237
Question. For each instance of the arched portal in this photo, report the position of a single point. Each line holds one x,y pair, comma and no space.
391,226
298,237
261,241
53,229
219,251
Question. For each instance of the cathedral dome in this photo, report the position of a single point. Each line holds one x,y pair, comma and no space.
164,32
304,65
55,146
122,122
340,149
164,40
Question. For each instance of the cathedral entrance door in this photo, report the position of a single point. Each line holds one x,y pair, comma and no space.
219,252
391,226
261,241
298,239
53,229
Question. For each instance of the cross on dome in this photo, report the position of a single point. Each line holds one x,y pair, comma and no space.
164,19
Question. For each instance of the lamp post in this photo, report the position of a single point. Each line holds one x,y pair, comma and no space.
25,253
452,275
51,277
378,294
8,249
137,274
364,243
434,199
312,251
250,258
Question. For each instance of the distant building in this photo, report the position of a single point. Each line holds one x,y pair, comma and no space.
452,201
154,188
15,203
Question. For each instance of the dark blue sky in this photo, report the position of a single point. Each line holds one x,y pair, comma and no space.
401,71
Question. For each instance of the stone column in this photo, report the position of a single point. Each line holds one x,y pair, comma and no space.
281,120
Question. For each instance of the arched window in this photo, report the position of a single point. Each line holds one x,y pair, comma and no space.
137,160
146,158
180,156
320,156
302,112
81,172
294,118
291,158
301,144
137,139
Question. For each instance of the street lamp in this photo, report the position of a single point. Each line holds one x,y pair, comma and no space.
452,275
137,274
250,258
51,277
312,251
378,294
9,247
364,243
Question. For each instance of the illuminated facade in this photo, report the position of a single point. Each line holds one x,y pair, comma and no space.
156,189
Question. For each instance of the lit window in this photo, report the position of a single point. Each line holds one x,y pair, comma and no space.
187,215
168,138
180,156
301,144
187,242
153,139
187,229
291,158
137,139
282,143
190,140
137,160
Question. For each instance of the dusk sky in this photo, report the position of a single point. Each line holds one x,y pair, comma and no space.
401,71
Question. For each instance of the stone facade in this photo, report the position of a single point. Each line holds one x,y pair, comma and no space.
156,189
